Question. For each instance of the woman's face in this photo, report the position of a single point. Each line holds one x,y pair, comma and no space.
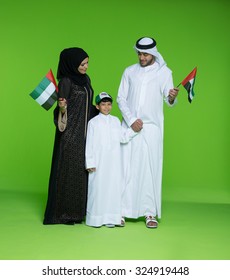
83,66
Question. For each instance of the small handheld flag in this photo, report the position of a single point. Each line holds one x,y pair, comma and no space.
188,84
46,92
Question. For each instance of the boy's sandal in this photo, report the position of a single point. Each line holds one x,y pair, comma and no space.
122,222
151,222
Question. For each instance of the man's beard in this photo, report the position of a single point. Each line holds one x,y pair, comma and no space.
150,62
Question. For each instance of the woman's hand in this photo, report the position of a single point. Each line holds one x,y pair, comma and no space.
62,103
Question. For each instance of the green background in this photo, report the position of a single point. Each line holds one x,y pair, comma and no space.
196,185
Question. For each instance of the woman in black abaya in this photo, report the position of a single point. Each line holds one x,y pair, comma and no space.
67,193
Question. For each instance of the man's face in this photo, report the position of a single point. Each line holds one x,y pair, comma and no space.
145,59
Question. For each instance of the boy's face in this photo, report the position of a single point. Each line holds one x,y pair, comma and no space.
104,107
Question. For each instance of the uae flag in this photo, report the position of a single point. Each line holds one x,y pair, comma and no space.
188,84
46,92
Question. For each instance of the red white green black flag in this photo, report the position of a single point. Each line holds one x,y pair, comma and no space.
46,92
188,84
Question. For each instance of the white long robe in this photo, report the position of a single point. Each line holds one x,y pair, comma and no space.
103,152
140,96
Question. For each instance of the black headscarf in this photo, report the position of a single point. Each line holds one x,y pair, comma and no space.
70,60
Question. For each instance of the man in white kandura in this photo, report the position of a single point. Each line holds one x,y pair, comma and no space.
142,90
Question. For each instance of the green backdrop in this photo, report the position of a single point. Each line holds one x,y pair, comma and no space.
196,185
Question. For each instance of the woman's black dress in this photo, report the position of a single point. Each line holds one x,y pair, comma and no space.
67,193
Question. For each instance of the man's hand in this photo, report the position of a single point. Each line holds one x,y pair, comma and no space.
137,125
172,95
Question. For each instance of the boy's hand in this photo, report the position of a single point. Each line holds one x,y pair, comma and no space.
90,170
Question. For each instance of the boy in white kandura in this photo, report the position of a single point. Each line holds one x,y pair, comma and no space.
103,162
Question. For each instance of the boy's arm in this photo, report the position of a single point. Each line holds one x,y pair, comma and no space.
127,134
90,163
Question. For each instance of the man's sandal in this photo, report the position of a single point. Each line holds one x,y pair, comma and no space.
151,222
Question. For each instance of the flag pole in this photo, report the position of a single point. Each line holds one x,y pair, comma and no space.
179,85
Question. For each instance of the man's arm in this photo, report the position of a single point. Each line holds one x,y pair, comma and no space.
122,100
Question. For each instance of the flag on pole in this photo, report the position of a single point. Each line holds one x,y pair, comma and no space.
46,92
188,84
